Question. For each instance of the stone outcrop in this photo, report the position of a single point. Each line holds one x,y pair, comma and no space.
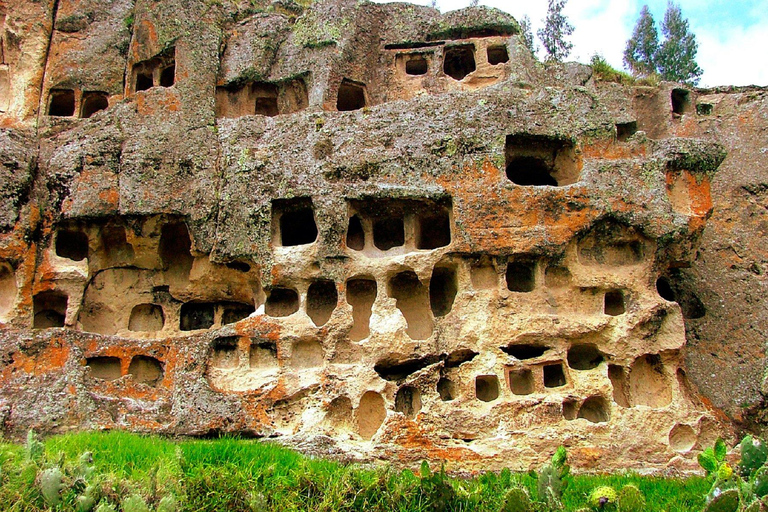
368,231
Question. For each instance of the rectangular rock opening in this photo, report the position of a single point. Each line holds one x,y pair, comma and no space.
282,302
261,98
412,300
8,290
146,318
355,234
681,101
93,101
307,354
483,275
521,382
625,130
554,377
232,312
175,250
322,298
265,99
104,367
146,370
388,233
540,160
595,409
293,222
614,303
50,309
168,76
144,81
497,54
521,276
408,401
705,109
72,244
351,96
620,383
224,354
159,70
361,294
443,287
196,315
433,230
61,103
487,387
459,61
525,351
263,355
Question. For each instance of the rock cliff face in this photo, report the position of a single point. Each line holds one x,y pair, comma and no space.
372,232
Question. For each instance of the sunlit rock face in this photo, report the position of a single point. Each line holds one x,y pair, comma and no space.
374,232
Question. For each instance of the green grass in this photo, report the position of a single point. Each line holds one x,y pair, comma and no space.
232,474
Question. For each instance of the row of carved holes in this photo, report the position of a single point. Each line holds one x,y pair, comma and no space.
144,369
62,103
458,62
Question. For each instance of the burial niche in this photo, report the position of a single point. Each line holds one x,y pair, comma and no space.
595,409
487,387
146,318
282,302
322,298
443,287
8,290
433,230
681,101
497,55
61,103
614,303
307,354
175,250
361,294
416,64
408,401
351,96
93,102
104,367
196,315
412,300
50,309
72,244
293,221
554,377
371,413
539,160
388,232
459,61
521,276
146,370
521,381
355,234
584,356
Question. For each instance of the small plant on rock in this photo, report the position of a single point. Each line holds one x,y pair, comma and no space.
553,479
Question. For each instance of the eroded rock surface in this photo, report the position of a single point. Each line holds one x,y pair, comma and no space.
369,231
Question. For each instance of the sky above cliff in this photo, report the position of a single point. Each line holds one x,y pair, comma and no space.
732,34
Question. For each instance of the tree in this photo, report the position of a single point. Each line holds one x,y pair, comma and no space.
526,33
556,29
676,58
640,53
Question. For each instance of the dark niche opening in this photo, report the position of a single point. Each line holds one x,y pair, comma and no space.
93,102
554,377
584,357
675,288
525,351
233,312
487,388
50,310
144,81
530,171
412,301
146,369
355,234
196,315
61,103
521,276
459,61
497,55
72,244
443,287
395,370
282,302
351,96
322,298
681,101
416,65
614,303
446,388
240,266
625,130
361,294
433,231
408,401
176,249
146,318
704,109
595,409
168,76
224,354
521,382
388,233
296,221
104,368
265,99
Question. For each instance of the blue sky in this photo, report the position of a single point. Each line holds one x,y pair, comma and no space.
732,34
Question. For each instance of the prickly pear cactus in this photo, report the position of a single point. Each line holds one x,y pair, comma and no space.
51,485
88,499
134,503
601,497
760,482
727,501
34,449
517,500
754,453
753,507
630,499
105,506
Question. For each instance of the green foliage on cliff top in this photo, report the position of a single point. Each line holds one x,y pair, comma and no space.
121,471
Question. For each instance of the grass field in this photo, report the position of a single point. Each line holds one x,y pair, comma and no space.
231,474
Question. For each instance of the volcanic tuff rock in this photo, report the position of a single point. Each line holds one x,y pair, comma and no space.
371,231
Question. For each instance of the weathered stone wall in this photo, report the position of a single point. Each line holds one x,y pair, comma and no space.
371,231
